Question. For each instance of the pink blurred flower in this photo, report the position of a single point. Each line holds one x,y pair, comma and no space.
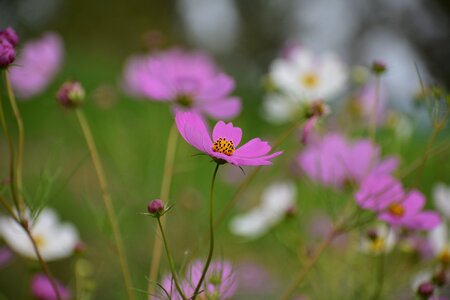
188,80
220,280
377,192
408,212
6,255
42,289
253,279
37,65
334,161
10,35
225,139
168,289
366,101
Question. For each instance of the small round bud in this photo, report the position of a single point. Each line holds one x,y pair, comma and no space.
71,94
378,67
10,35
155,207
372,234
80,247
7,53
425,290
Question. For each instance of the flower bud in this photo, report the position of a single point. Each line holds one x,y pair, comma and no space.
156,207
7,53
425,290
10,35
71,94
378,67
439,278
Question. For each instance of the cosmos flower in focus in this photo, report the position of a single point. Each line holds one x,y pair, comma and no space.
301,77
277,199
223,147
42,289
190,81
335,161
37,64
55,240
377,240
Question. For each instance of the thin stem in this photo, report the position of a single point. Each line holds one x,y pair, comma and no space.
302,274
42,263
426,154
211,233
169,258
373,121
12,158
107,201
21,134
380,277
164,196
252,175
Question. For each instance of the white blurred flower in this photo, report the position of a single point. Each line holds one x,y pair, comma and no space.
302,77
438,238
378,240
441,197
403,128
55,240
277,199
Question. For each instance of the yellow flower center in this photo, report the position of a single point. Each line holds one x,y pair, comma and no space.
39,240
377,245
397,210
310,80
224,146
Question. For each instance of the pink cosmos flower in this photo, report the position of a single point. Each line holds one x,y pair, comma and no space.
220,280
37,65
42,289
384,194
408,212
366,101
188,80
169,291
334,161
223,147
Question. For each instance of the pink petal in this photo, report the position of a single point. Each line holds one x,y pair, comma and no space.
423,221
216,88
387,166
253,148
256,161
226,108
377,192
227,131
413,203
193,129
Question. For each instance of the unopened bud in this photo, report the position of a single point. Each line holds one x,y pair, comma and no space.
378,67
425,290
71,94
156,207
7,53
439,278
10,35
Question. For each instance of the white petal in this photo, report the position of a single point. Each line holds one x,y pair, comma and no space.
441,196
250,225
438,238
278,109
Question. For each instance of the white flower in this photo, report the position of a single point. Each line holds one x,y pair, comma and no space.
378,240
55,240
277,199
303,77
441,197
438,238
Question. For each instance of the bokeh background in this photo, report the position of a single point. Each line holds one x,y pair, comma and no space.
244,36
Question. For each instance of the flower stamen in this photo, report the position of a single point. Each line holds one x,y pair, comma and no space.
397,210
310,80
224,146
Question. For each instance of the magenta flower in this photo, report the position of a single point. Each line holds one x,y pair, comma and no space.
169,291
223,147
190,81
42,289
408,213
220,281
377,192
37,65
334,161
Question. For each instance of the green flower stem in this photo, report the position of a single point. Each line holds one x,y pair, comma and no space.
211,233
107,201
253,174
164,196
373,121
426,154
42,262
300,277
12,159
169,258
19,162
